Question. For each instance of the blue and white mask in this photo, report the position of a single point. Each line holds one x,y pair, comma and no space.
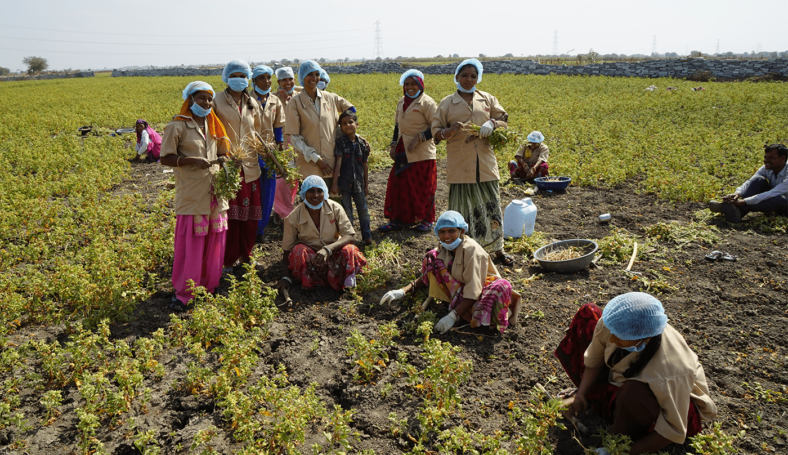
453,245
238,84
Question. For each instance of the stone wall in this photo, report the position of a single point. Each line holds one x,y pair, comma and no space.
678,68
48,76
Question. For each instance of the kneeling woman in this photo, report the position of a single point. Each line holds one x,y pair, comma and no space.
317,242
637,371
460,272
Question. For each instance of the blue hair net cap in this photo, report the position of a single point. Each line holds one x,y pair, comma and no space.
408,74
236,66
309,66
284,73
324,75
535,137
450,219
470,61
260,70
197,86
314,181
634,316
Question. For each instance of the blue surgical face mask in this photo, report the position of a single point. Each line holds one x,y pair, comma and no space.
238,84
321,85
314,207
199,111
637,348
453,245
459,87
257,89
414,96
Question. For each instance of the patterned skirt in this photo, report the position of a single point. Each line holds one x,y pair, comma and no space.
480,205
246,205
339,271
492,306
410,194
602,395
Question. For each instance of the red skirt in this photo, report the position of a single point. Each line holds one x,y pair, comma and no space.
339,271
246,205
244,215
602,395
410,195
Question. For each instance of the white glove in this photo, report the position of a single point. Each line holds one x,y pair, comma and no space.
602,451
487,128
391,296
446,322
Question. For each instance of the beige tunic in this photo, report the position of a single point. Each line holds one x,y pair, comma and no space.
318,130
192,184
541,153
471,265
240,124
673,374
417,119
461,157
273,116
299,227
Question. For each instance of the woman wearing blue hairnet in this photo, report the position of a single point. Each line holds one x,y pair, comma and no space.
272,123
317,242
413,179
241,117
461,273
471,166
637,371
312,119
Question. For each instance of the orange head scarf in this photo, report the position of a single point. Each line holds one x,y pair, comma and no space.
215,126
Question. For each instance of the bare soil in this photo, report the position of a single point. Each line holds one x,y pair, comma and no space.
733,314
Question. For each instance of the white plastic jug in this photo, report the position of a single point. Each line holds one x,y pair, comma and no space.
519,218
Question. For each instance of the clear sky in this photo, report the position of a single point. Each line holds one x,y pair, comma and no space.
108,33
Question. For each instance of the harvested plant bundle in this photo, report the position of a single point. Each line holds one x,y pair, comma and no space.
563,254
227,182
499,138
273,157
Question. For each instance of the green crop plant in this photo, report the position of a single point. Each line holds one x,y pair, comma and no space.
146,443
694,232
371,355
380,258
618,246
714,442
616,444
533,425
51,401
527,245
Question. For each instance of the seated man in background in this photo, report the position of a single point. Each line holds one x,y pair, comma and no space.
766,191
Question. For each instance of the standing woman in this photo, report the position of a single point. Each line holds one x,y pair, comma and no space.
312,118
273,121
410,193
191,142
471,167
241,117
285,191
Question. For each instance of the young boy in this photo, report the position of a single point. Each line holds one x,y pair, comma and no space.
530,161
351,172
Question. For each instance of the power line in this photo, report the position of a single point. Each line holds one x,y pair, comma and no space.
378,41
175,36
555,43
161,54
169,44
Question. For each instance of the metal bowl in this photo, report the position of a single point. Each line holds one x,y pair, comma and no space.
589,248
561,184
125,130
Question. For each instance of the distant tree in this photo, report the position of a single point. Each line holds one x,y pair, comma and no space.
4,71
399,57
297,61
592,56
378,59
347,59
455,55
509,55
696,54
35,64
439,56
322,60
482,56
285,61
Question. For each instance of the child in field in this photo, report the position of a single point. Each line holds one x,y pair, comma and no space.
351,172
530,161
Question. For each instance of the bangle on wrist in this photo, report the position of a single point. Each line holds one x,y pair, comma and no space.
290,280
330,252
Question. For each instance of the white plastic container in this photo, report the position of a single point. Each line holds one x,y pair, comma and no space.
519,218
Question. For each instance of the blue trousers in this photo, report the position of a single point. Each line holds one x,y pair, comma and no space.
357,194
777,204
267,192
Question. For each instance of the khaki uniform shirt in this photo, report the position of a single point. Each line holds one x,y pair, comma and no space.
273,116
417,119
282,95
318,130
192,184
471,265
541,153
673,374
240,125
299,227
462,158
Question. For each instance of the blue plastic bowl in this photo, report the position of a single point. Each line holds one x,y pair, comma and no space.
561,184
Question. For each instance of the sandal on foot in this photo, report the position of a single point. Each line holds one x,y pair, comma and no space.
390,227
504,259
424,226
176,306
714,256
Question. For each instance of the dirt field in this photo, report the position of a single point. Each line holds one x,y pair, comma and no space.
733,314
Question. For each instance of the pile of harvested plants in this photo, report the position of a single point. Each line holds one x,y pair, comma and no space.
563,254
227,182
274,158
499,138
